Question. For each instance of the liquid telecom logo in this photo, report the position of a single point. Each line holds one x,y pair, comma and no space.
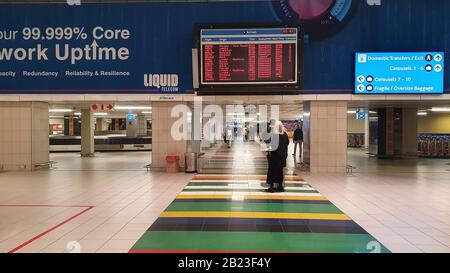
163,82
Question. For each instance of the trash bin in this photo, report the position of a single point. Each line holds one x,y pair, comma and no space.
172,163
190,161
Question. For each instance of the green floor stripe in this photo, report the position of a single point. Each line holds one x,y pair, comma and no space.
253,207
256,241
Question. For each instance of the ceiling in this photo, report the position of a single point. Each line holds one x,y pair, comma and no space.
286,111
124,109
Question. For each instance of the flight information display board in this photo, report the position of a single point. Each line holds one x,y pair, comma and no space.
249,56
399,73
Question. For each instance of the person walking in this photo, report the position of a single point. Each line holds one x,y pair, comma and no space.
298,141
277,155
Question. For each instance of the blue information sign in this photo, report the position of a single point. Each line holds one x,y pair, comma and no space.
131,117
399,73
360,115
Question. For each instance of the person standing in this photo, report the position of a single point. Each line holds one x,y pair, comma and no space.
298,140
246,133
277,155
229,137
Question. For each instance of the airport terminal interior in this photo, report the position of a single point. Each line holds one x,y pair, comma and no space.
174,159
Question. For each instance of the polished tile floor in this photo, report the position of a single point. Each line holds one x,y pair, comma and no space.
101,204
405,204
106,203
242,158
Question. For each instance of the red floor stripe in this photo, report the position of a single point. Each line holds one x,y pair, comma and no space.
87,208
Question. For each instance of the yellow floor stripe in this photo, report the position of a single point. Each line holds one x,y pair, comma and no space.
253,197
267,215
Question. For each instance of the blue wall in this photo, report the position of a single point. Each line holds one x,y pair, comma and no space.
399,25
163,35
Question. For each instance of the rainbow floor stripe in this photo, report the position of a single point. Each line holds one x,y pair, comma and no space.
233,214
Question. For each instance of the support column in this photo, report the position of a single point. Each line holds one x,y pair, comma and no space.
205,143
325,136
390,131
132,128
163,143
142,124
101,124
195,126
366,132
87,133
24,139
69,125
409,134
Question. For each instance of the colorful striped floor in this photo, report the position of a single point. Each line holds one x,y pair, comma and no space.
232,213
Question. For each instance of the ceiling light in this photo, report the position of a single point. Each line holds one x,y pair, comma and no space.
132,108
351,112
100,114
60,110
77,113
440,109
422,113
146,112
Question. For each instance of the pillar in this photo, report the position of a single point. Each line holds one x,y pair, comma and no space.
87,133
163,143
137,127
366,132
409,135
142,125
390,132
132,128
24,138
101,124
69,125
325,136
195,125
116,124
205,143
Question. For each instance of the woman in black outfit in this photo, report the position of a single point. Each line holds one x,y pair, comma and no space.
277,156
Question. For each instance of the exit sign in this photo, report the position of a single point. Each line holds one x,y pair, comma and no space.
102,107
